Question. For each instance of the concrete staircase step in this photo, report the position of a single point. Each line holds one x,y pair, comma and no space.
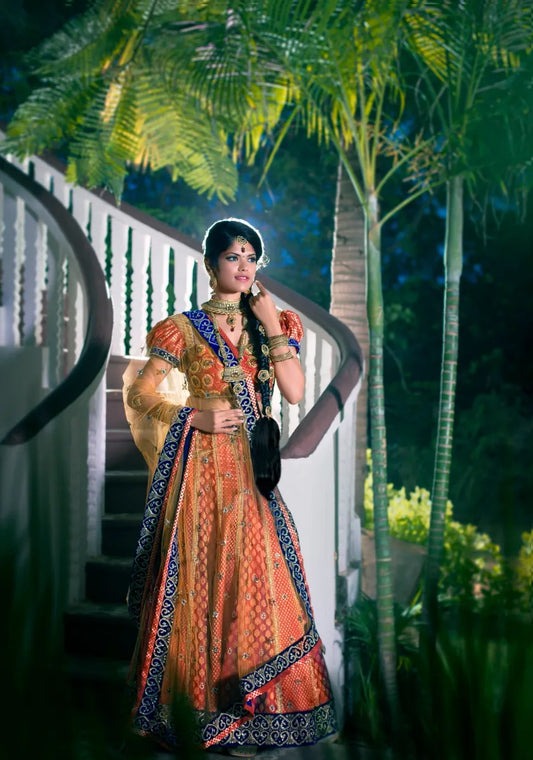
125,491
115,415
120,533
98,633
97,670
115,370
107,579
121,452
99,630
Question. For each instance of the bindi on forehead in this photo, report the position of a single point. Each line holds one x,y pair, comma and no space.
246,250
240,240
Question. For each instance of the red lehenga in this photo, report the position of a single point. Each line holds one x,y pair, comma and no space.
218,586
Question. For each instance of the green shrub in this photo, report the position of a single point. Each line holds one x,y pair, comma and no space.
473,568
524,568
467,692
466,697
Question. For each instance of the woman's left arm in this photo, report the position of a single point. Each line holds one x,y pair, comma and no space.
289,374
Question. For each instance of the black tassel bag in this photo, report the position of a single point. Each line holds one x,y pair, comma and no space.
264,442
266,457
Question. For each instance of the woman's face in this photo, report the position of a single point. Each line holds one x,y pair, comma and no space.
236,269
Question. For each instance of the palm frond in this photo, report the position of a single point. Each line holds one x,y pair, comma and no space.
50,116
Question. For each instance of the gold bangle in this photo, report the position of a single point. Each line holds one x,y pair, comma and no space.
278,340
281,357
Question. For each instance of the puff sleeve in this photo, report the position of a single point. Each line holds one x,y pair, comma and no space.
165,341
291,325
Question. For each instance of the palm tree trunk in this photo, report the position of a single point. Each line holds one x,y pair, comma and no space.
348,303
453,264
378,435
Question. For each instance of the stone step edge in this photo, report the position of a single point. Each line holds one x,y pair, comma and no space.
107,559
126,474
100,669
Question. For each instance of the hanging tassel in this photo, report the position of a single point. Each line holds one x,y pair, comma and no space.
264,441
266,457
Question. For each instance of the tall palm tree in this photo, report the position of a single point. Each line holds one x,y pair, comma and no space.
468,59
348,303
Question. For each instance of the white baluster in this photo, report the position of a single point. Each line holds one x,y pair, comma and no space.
81,205
98,231
140,254
293,414
30,289
325,370
307,359
42,173
61,188
316,377
76,317
55,313
119,247
159,260
203,290
14,246
41,255
183,277
275,404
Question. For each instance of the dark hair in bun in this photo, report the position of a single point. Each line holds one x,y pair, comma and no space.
221,235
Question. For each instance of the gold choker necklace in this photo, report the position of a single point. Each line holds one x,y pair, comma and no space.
229,308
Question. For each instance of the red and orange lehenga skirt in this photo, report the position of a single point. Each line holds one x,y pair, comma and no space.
219,591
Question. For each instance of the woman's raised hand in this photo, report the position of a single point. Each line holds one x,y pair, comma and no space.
264,309
218,421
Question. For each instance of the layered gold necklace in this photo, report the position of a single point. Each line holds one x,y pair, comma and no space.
229,309
231,374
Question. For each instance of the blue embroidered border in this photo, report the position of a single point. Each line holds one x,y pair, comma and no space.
297,729
162,354
274,667
289,729
289,552
152,511
279,730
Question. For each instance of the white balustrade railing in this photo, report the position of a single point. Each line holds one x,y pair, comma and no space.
43,301
151,272
51,465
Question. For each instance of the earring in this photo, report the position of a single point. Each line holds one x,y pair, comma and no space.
212,277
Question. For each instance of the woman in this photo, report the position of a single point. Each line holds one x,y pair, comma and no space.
218,586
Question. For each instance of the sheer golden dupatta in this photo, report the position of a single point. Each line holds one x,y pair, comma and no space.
150,411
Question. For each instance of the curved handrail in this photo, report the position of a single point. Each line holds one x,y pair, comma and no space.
316,422
100,320
312,428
